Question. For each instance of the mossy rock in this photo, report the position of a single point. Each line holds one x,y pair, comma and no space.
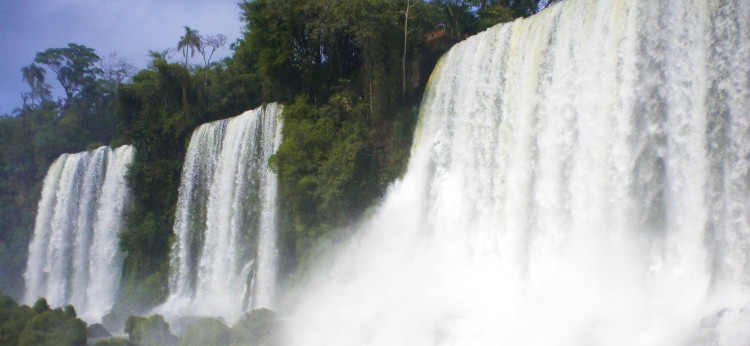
152,331
207,331
256,328
138,298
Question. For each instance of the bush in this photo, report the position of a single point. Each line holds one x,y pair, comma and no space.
6,302
53,328
12,322
41,305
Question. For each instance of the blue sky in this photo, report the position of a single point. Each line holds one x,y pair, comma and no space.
129,27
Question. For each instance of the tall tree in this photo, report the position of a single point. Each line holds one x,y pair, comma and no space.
191,41
207,46
33,75
74,66
409,5
116,69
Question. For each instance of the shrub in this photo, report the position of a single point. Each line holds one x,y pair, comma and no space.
53,328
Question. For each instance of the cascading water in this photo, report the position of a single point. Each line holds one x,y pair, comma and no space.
223,261
581,177
74,256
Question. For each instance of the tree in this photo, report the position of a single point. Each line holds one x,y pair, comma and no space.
492,13
116,69
212,43
74,66
33,75
409,5
191,41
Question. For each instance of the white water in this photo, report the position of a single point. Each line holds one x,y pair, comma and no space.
74,256
223,261
578,178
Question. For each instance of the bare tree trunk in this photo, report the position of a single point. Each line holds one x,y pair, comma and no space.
406,37
23,110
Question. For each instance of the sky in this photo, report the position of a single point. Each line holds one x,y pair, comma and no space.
130,28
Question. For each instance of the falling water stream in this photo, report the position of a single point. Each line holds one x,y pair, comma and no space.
223,261
581,177
74,256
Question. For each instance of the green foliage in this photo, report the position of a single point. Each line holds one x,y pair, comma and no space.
74,66
208,331
341,63
41,305
256,328
325,165
12,322
157,113
6,302
189,42
40,325
54,328
137,296
70,311
494,14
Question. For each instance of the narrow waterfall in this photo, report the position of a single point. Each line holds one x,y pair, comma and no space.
223,261
74,256
581,177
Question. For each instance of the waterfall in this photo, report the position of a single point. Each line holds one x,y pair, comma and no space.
581,177
74,256
223,261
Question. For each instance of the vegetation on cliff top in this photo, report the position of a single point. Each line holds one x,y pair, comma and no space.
351,73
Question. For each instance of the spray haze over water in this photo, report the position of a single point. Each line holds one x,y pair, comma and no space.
223,261
74,256
579,177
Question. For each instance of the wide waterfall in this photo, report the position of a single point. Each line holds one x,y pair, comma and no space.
223,261
74,256
581,177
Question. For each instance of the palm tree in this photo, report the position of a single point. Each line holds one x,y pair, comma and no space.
34,76
191,41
